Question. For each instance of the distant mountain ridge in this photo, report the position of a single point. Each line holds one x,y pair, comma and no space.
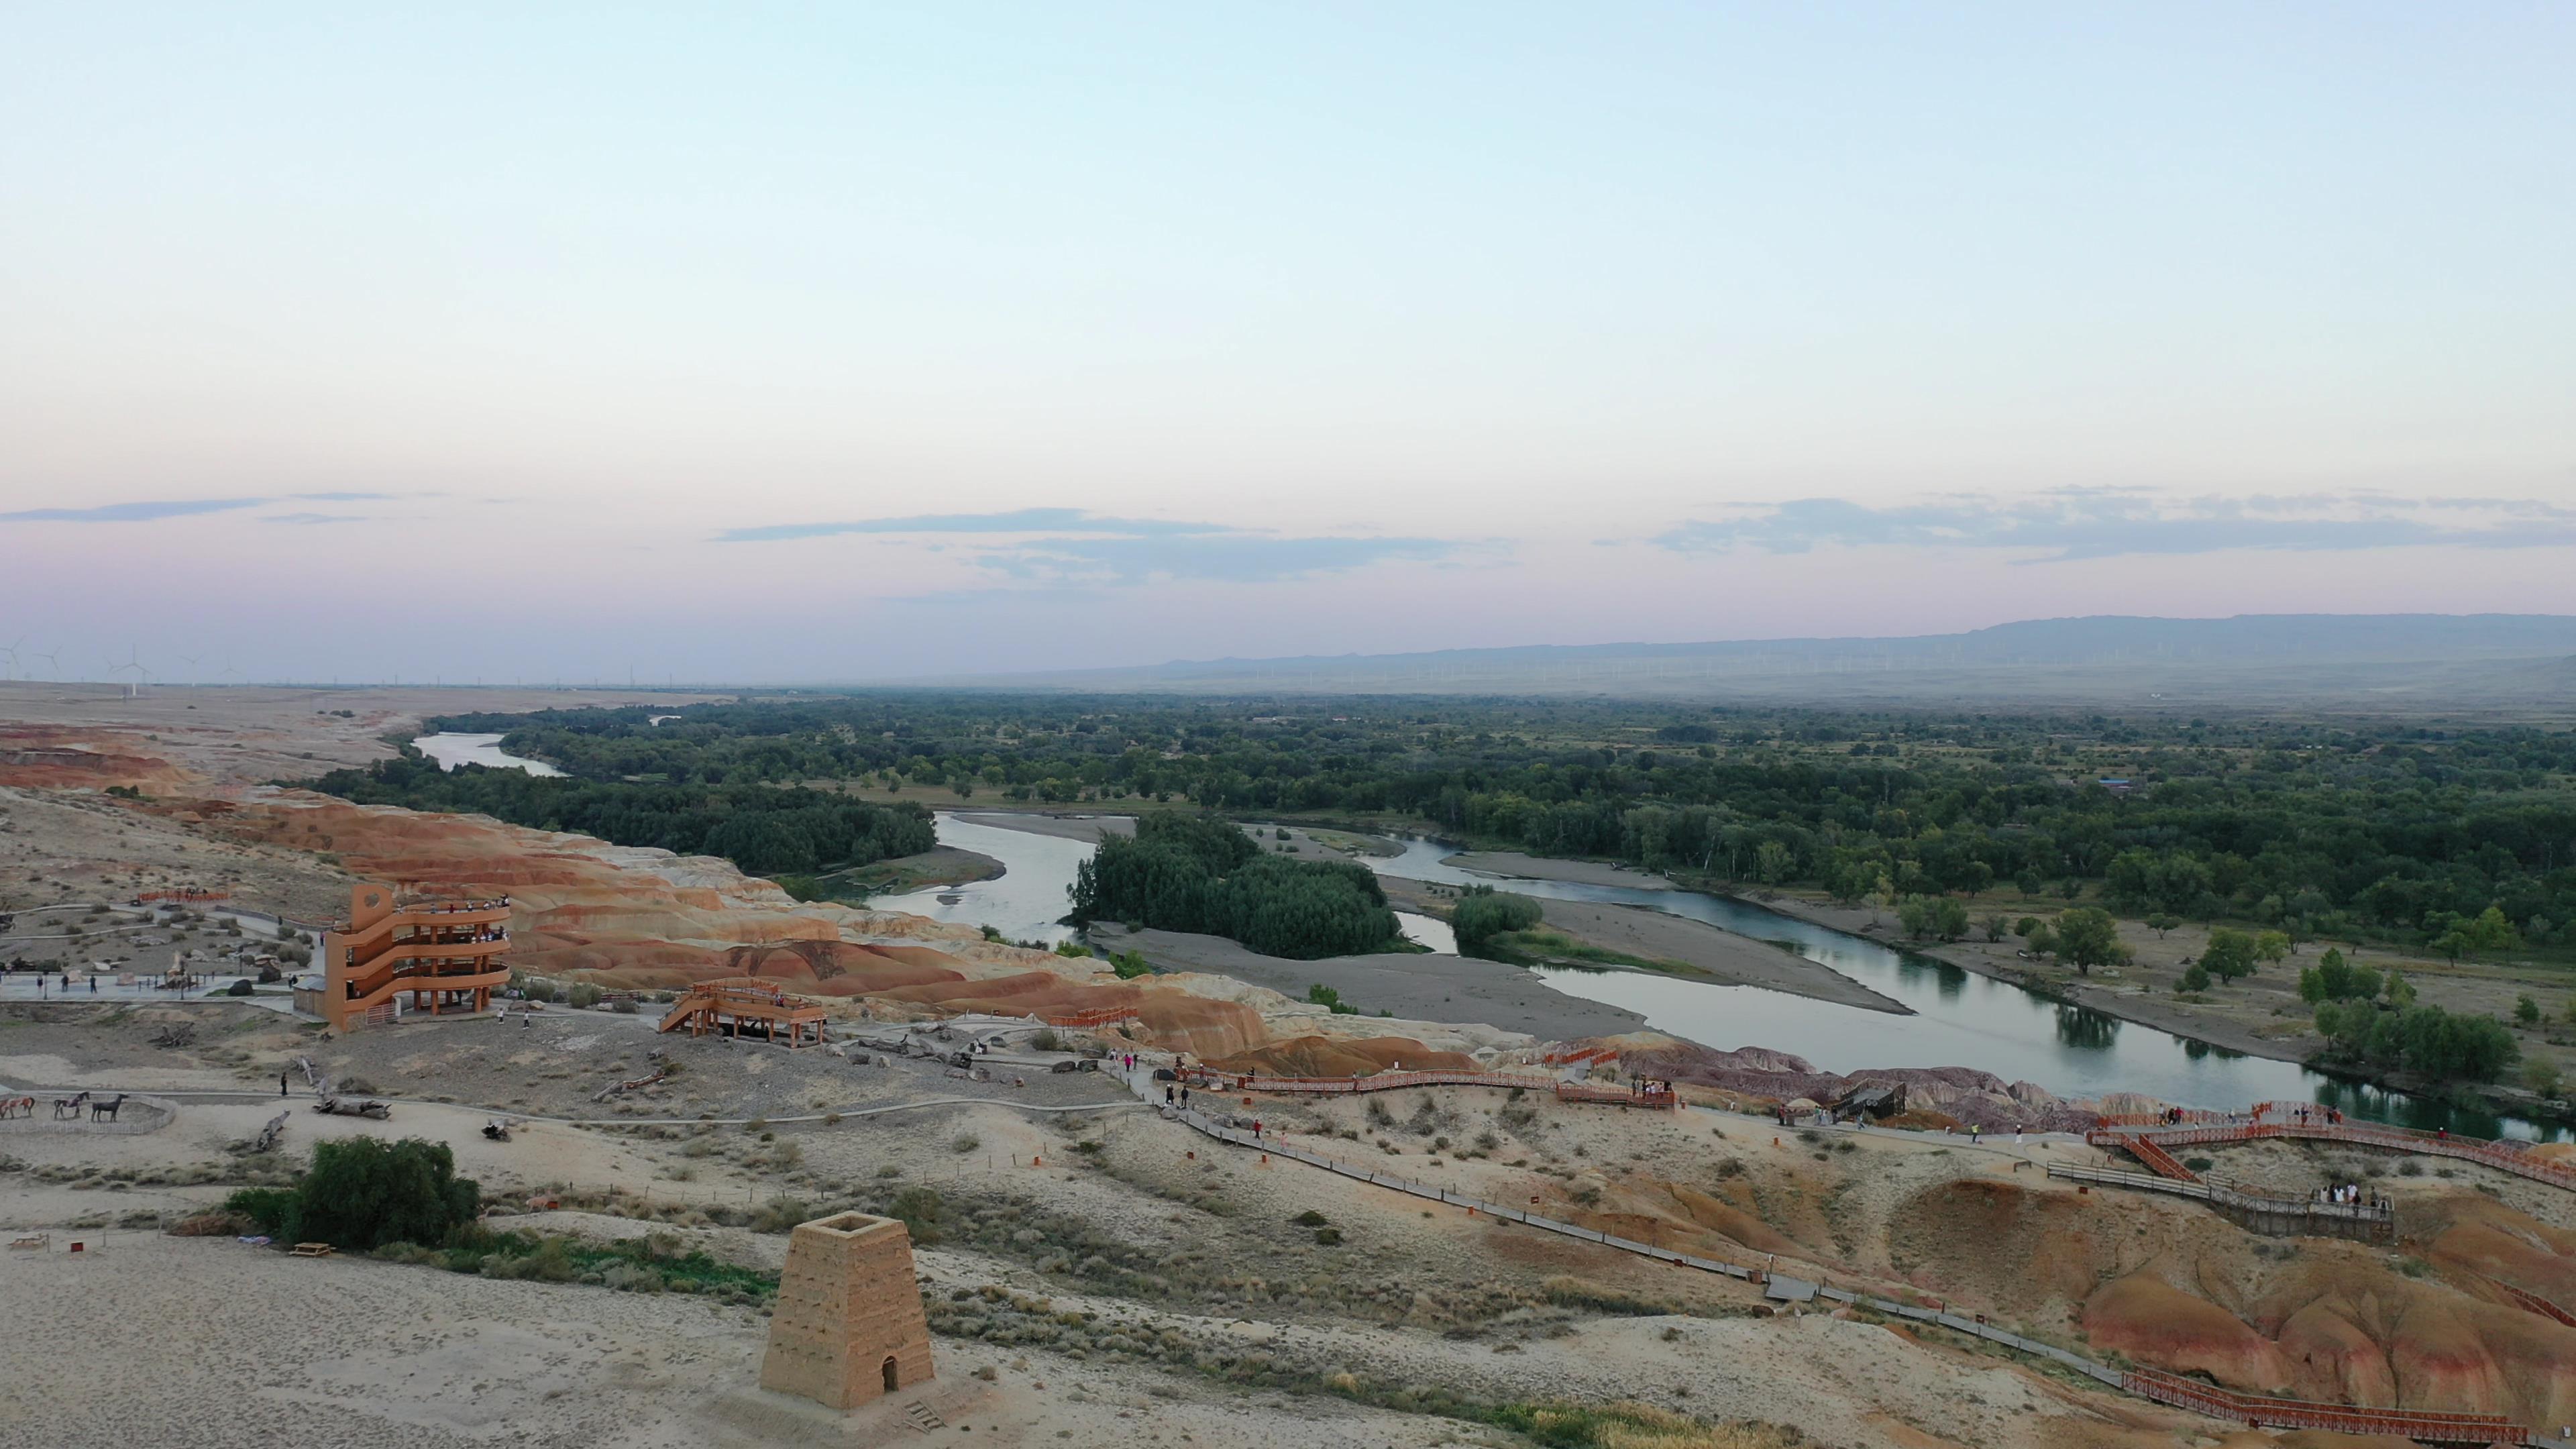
2376,660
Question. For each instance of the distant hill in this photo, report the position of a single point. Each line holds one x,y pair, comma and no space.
2414,663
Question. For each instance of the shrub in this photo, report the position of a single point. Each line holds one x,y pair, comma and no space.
920,1210
1308,1219
965,1142
363,1193
1045,1039
583,996
1328,1237
270,1209
2198,1164
623,1006
550,1262
632,1278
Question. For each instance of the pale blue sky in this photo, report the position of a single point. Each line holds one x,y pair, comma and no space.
843,342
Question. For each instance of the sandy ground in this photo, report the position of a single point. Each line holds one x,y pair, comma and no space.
1419,986
1577,872
243,735
939,866
1041,1237
1062,827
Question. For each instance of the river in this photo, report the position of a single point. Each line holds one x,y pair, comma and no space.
453,750
1961,1018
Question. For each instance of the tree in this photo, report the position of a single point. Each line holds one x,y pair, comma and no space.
2540,1074
2271,946
1995,927
1914,917
2161,923
2041,940
2088,937
1483,913
2526,1011
2229,954
1771,862
2195,977
363,1193
2492,932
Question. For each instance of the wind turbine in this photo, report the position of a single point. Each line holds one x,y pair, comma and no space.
192,670
53,666
12,652
133,661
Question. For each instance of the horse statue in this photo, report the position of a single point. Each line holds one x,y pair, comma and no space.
70,1106
106,1111
17,1106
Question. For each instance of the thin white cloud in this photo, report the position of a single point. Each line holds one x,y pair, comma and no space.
2107,523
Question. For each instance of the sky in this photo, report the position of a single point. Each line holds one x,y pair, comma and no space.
771,343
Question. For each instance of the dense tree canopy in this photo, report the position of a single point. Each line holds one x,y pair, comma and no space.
764,829
1189,873
2396,830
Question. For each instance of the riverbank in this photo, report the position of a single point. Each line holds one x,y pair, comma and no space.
941,865
1707,954
2254,1023
1572,872
1415,986
1087,828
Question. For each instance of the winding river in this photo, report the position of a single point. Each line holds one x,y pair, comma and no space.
1961,1018
453,750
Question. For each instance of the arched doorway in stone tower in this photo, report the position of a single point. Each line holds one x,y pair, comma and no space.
889,1370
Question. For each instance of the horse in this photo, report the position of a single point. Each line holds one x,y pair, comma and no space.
69,1106
106,1111
17,1106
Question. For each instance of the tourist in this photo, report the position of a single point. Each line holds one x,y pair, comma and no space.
281,1084
1167,1094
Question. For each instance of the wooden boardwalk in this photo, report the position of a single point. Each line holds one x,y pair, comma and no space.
2256,1410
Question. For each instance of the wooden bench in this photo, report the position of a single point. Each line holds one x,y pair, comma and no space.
310,1250
32,1240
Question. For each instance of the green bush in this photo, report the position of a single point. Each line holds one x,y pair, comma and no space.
1484,913
919,1209
363,1194
273,1209
549,1262
583,996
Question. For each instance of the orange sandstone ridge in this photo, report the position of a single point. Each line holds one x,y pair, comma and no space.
641,918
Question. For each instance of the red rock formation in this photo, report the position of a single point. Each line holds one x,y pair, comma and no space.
1320,1056
2158,1324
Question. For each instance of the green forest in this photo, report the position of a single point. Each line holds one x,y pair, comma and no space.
765,829
1184,872
2461,839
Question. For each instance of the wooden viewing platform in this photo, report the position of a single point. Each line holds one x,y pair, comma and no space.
747,1006
2272,1120
2255,1212
2255,1410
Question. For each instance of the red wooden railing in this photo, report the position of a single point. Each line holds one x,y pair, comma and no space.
1397,1081
2264,1412
2501,1156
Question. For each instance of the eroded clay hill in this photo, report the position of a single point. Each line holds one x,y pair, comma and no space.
2177,1289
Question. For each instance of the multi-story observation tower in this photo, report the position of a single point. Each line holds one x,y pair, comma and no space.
445,955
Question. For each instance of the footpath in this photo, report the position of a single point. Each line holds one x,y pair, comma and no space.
2253,1410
